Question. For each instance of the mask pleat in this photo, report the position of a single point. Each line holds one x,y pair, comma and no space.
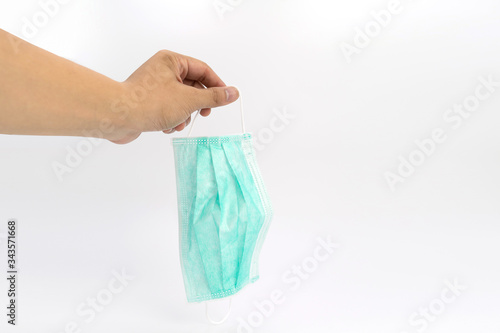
232,208
254,215
206,217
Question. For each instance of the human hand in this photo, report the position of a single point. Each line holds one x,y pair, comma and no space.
164,92
43,94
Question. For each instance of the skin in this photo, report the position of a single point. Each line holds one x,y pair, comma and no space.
44,94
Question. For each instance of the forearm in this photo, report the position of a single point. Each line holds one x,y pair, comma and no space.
44,94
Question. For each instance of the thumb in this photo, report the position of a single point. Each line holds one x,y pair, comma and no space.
212,97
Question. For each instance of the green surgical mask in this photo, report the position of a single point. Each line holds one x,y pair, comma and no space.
224,213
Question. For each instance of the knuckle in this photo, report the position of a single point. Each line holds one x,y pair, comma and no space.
217,96
167,58
206,73
164,53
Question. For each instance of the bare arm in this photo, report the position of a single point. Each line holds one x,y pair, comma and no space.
44,94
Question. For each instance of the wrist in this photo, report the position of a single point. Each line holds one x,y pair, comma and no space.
118,120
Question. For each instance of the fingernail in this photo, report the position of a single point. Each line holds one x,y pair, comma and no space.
231,94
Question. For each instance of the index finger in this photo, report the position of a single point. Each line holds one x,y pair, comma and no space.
197,70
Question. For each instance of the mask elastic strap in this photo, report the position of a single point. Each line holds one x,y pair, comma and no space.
223,319
241,110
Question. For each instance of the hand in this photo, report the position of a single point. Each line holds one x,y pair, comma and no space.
43,94
164,91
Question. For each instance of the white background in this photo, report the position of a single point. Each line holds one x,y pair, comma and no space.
324,168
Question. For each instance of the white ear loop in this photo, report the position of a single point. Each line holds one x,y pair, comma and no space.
241,110
223,319
192,125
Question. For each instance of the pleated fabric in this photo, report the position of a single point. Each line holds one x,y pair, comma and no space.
224,214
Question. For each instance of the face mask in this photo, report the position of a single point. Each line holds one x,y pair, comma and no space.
224,213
